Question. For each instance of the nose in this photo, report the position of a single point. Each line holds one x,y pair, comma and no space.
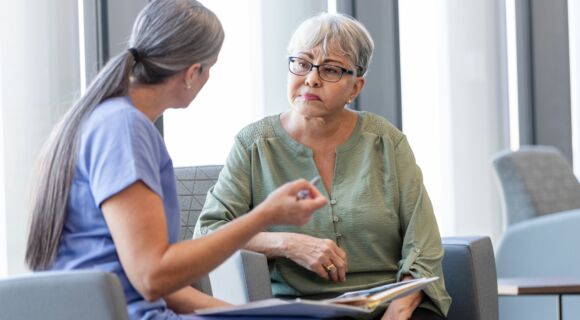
312,79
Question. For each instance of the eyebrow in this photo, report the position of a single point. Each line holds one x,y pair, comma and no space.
325,61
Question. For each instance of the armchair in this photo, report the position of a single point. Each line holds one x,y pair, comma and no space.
541,200
66,295
468,266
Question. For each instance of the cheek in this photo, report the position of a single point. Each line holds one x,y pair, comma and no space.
292,87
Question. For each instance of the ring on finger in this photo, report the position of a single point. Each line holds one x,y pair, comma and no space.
329,267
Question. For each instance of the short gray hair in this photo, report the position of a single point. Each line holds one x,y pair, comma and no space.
335,32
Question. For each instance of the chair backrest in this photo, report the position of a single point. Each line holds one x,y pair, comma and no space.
63,295
535,181
193,183
470,278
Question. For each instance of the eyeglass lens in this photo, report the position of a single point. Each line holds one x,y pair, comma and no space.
327,72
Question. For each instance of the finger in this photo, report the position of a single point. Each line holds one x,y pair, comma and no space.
321,271
333,273
339,252
340,268
297,185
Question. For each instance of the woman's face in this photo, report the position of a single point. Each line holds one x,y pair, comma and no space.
311,96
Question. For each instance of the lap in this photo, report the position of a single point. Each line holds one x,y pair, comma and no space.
425,314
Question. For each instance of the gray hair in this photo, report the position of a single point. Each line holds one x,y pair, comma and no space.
168,37
335,32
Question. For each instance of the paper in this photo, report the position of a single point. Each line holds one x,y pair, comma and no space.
373,297
350,304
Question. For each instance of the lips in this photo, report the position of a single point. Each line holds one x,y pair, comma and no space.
310,97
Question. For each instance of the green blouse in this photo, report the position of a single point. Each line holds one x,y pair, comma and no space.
379,212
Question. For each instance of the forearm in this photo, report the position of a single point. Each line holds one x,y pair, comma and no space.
271,244
193,259
188,299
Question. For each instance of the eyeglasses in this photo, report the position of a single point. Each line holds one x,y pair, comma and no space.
326,72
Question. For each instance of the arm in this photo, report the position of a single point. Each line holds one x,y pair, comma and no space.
156,268
188,299
232,197
422,252
404,307
309,252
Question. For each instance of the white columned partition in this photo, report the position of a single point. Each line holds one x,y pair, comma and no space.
476,99
454,91
421,25
280,19
3,226
38,82
574,34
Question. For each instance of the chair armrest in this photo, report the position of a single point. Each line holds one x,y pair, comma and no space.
244,277
203,285
470,278
63,295
543,246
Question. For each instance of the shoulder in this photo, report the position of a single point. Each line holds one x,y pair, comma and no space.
118,111
260,130
117,124
376,125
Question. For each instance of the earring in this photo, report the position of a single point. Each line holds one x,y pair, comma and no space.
188,86
349,101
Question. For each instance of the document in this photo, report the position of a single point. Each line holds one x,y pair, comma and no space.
350,304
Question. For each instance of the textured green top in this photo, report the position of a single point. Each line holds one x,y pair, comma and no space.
379,212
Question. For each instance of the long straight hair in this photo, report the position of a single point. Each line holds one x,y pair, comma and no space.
168,37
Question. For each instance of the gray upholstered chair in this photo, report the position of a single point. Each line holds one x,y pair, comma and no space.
535,181
468,267
541,200
63,295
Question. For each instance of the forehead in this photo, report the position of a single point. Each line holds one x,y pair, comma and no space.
317,55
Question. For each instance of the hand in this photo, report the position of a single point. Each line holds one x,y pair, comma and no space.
283,207
317,255
403,308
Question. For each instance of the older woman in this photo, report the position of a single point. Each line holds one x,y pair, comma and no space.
378,226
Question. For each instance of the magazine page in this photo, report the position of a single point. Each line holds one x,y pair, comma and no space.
373,297
350,304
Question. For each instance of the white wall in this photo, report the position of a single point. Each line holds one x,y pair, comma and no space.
38,82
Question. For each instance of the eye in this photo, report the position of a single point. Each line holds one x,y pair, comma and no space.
331,70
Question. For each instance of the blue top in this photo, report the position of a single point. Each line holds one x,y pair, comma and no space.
119,146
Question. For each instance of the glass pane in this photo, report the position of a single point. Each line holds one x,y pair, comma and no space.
203,133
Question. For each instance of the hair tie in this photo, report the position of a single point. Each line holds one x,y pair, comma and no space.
135,54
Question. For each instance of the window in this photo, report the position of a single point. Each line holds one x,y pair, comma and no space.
203,133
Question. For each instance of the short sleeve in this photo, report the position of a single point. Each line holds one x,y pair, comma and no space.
231,197
120,151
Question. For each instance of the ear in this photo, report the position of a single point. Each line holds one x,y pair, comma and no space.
191,73
358,86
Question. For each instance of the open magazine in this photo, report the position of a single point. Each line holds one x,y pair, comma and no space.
351,304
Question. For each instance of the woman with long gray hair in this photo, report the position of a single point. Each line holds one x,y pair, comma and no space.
105,196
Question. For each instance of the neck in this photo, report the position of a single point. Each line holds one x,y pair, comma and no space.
320,131
151,100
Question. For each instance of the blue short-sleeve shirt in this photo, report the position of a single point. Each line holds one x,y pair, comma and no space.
118,146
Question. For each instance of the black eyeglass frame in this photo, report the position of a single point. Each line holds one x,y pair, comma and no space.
317,66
